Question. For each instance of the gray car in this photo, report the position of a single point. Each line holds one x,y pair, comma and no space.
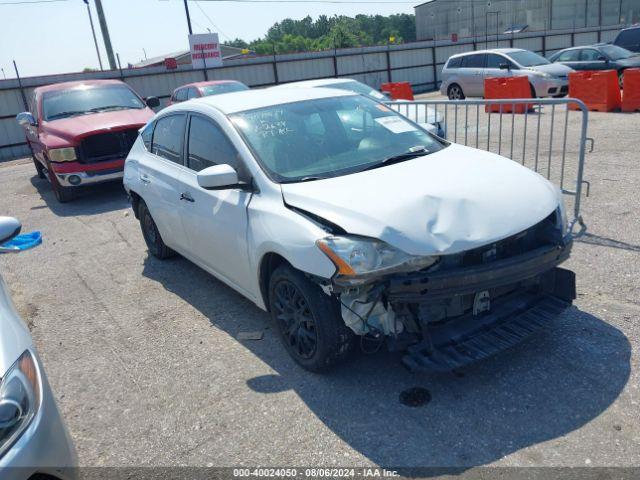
463,75
34,441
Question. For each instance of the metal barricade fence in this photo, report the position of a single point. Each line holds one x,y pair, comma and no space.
550,138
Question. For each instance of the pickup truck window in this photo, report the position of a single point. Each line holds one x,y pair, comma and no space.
82,101
167,137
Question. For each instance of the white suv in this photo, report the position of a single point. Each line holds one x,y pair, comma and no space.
463,75
343,218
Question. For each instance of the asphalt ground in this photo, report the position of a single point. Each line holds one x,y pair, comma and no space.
147,368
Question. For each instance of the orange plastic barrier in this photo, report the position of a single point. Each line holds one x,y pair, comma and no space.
631,93
599,90
398,90
507,87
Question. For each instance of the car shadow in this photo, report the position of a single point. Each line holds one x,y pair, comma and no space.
547,387
100,198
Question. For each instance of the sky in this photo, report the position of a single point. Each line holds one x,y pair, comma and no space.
45,38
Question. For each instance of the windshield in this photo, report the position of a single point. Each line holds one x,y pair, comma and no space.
528,59
223,88
329,137
89,99
616,53
357,87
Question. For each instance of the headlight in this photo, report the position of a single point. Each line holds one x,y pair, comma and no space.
19,399
358,259
543,75
67,154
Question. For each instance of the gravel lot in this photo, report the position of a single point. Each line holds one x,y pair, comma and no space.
144,359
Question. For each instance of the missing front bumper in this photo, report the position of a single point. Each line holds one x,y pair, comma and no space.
470,338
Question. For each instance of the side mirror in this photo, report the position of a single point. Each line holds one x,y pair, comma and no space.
218,177
9,228
152,102
602,58
26,119
505,66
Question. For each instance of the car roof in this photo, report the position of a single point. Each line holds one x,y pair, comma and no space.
490,50
318,82
76,84
229,103
207,83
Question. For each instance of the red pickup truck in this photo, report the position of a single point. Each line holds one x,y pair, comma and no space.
80,132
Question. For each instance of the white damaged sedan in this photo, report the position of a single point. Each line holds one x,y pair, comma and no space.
344,219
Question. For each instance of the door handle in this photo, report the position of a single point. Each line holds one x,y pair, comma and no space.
144,178
186,196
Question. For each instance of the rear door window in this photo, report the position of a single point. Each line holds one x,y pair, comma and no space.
474,61
181,95
168,136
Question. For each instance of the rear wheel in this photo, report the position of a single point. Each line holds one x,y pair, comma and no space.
309,321
151,235
454,92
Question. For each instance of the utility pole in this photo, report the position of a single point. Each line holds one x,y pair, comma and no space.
105,35
93,31
186,9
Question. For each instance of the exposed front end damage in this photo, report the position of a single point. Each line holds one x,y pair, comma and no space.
469,305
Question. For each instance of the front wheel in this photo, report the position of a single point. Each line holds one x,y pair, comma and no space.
39,168
454,92
63,194
533,91
309,321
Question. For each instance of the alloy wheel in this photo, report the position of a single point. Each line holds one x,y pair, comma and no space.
295,319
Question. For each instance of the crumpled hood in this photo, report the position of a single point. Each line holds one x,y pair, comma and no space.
74,128
447,202
556,69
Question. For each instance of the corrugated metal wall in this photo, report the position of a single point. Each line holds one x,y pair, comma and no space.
372,65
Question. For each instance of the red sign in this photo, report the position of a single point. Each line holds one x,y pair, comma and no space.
454,37
170,63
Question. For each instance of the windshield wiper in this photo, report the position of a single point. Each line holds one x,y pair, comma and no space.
413,152
109,107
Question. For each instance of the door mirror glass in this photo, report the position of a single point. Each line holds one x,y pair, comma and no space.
602,58
9,228
505,66
218,177
152,102
26,119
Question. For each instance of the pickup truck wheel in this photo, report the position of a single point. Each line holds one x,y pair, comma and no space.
63,194
39,168
309,322
151,235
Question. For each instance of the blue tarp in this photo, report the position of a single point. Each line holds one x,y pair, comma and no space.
24,241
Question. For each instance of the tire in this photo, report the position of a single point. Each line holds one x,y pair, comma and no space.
533,91
39,168
620,78
454,92
152,238
308,321
63,194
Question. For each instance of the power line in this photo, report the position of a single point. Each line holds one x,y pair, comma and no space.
211,21
363,2
28,2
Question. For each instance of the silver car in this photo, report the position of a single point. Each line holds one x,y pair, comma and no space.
463,75
33,437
